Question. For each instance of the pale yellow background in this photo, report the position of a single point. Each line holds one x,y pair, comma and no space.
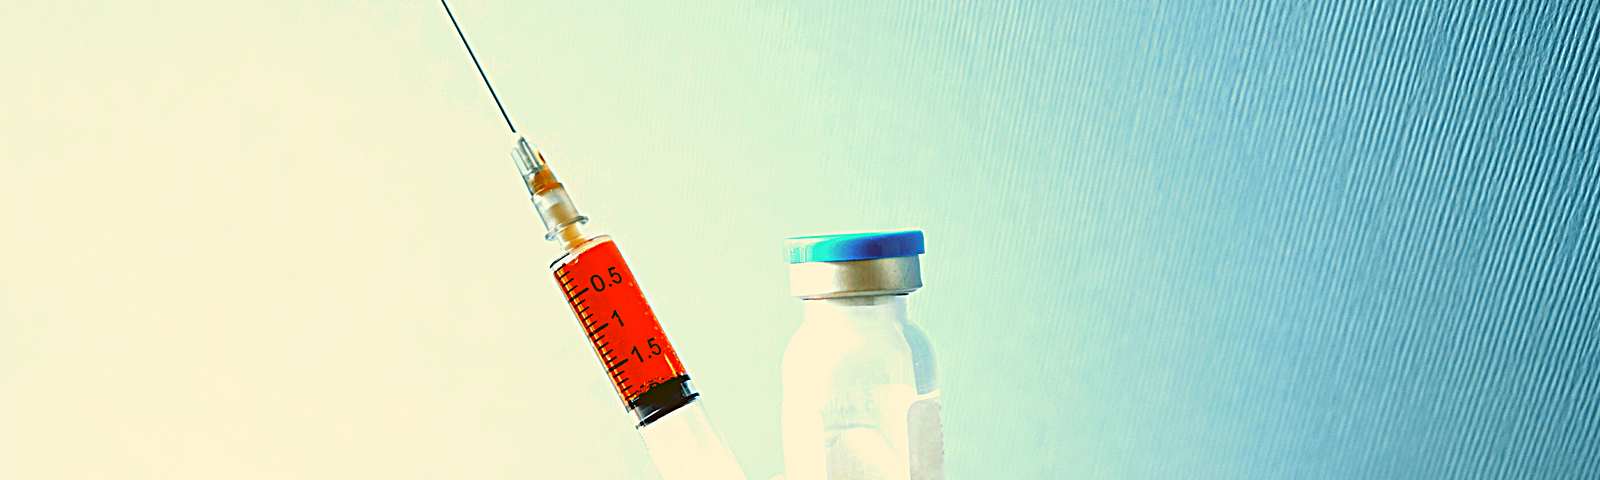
269,241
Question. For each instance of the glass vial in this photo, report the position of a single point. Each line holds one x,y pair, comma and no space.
860,383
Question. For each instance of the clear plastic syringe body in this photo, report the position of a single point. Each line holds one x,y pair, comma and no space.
625,335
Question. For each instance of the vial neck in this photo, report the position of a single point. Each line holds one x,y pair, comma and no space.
855,278
865,310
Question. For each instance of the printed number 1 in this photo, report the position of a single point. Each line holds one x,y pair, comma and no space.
618,318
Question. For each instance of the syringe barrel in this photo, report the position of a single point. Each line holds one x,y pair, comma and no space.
643,366
632,347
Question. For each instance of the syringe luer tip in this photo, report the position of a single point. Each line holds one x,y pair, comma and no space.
561,218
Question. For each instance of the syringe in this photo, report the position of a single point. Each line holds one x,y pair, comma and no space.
634,350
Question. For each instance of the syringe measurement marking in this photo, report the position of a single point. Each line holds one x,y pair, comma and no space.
636,347
612,369
606,356
583,316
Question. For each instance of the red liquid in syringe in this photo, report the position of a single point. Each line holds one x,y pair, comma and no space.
617,320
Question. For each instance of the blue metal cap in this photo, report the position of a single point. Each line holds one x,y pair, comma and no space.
854,246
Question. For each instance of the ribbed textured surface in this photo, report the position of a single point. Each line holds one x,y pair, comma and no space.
1200,240
1282,241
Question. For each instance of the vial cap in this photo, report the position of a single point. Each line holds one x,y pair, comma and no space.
855,246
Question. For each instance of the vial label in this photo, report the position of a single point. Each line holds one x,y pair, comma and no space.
857,434
927,438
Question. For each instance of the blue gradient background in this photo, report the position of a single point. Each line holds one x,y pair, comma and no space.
1165,239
